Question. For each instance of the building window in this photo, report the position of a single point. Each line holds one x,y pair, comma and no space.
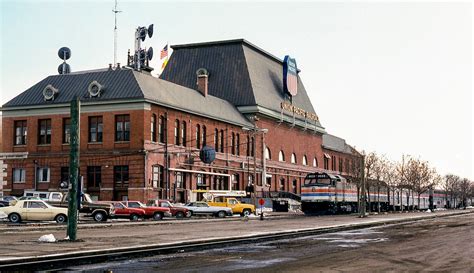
268,154
340,165
183,133
237,148
248,145
315,162
121,176
95,129
157,176
179,180
222,141
232,143
198,136
204,136
326,161
66,130
94,176
282,184
200,179
347,165
252,142
153,128
216,140
281,156
64,174
122,128
294,186
44,131
176,132
161,128
20,132
333,163
43,174
250,179
235,182
19,175
305,161
293,158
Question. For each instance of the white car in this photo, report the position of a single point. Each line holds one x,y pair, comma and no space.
201,208
34,210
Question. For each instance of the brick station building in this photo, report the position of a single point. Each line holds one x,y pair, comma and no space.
227,95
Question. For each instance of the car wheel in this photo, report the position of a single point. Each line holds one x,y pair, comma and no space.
14,218
189,214
179,215
157,216
246,212
60,218
99,216
134,217
221,214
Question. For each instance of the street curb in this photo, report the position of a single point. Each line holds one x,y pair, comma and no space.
96,256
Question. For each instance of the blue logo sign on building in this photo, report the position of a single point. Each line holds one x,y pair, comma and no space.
290,76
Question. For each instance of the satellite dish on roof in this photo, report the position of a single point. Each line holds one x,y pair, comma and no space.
64,68
149,53
64,53
150,30
202,71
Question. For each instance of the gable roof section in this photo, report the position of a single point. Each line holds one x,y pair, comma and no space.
239,72
337,144
127,84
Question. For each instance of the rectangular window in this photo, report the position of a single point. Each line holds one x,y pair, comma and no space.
326,163
66,130
183,133
157,176
216,140
222,141
198,136
43,174
95,129
179,180
200,180
232,143
94,176
64,174
44,131
19,175
20,132
176,132
122,128
121,176
340,165
237,148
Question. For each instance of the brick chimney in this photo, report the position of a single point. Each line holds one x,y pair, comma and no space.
202,81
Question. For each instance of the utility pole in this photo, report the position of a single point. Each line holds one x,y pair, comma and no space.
74,170
363,201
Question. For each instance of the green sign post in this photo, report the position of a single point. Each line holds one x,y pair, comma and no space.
73,170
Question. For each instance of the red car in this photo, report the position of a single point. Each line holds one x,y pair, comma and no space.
177,212
154,212
122,211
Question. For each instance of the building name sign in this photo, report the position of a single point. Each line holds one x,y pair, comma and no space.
298,111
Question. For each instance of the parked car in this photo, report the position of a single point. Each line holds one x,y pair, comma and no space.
44,195
34,210
176,211
236,206
154,212
99,212
5,200
202,208
122,211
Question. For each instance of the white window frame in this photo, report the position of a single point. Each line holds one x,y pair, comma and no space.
22,174
40,177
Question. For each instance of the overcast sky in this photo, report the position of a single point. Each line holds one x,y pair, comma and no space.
395,78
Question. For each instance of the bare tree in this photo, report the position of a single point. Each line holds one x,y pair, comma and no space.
378,172
449,186
389,176
401,170
419,176
370,163
464,187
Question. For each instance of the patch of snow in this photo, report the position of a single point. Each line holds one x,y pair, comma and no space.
428,211
49,238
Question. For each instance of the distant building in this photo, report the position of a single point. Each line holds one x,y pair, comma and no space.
141,136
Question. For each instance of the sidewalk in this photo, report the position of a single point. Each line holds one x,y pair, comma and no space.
21,246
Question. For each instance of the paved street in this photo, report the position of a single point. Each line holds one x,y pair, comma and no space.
441,244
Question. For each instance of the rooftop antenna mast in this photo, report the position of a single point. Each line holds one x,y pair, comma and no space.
115,11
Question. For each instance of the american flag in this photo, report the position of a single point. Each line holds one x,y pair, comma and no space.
164,52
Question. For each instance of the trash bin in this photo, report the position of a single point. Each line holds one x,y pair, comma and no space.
280,205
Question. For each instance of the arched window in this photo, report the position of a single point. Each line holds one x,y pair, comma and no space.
281,156
268,154
216,140
176,132
315,162
183,133
232,143
153,128
161,129
237,148
204,136
305,161
222,141
198,136
293,158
